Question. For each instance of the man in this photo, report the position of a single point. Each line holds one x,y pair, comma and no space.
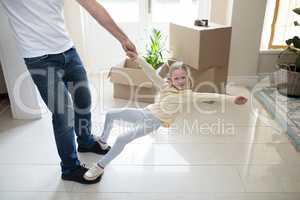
57,71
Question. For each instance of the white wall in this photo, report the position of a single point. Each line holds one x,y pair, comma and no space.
247,23
23,96
221,11
246,61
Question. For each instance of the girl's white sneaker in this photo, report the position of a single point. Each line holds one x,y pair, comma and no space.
93,173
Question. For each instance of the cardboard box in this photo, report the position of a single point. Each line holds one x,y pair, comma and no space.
133,93
201,47
207,81
131,83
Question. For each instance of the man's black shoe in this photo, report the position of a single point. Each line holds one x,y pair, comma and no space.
96,148
76,175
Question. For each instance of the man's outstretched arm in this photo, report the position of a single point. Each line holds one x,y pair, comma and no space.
100,14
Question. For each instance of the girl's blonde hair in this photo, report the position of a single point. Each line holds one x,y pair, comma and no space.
180,65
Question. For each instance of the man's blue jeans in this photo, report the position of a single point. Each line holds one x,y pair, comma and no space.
62,83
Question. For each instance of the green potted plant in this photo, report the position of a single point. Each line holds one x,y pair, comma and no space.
287,77
155,49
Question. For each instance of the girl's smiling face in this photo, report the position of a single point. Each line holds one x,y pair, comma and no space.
179,79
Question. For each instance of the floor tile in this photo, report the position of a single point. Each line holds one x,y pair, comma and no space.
167,179
32,178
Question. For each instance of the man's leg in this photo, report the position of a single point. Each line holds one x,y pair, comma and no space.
76,80
47,78
47,72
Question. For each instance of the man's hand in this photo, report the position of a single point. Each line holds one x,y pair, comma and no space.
129,48
132,55
240,100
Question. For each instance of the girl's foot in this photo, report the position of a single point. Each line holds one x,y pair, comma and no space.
102,144
94,172
77,175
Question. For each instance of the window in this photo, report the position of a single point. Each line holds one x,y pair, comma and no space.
282,25
173,10
122,10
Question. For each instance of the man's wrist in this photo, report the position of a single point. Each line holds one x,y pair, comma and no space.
123,38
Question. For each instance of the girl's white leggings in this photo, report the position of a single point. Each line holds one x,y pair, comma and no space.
144,122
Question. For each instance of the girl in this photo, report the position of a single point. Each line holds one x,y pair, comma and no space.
173,94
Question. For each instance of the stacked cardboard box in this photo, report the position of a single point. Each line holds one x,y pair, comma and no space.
206,51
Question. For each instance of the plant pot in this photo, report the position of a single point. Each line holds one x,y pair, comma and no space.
287,82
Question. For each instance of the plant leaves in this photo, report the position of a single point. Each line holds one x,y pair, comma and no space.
289,42
154,55
297,10
296,41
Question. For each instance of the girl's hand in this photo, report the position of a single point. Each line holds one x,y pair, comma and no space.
240,100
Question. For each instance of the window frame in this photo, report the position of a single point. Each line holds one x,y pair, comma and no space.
273,29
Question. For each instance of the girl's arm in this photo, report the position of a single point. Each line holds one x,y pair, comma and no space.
151,73
207,97
188,96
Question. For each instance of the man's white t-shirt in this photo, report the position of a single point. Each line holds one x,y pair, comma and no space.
39,26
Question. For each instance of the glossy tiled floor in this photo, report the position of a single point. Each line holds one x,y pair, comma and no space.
254,160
